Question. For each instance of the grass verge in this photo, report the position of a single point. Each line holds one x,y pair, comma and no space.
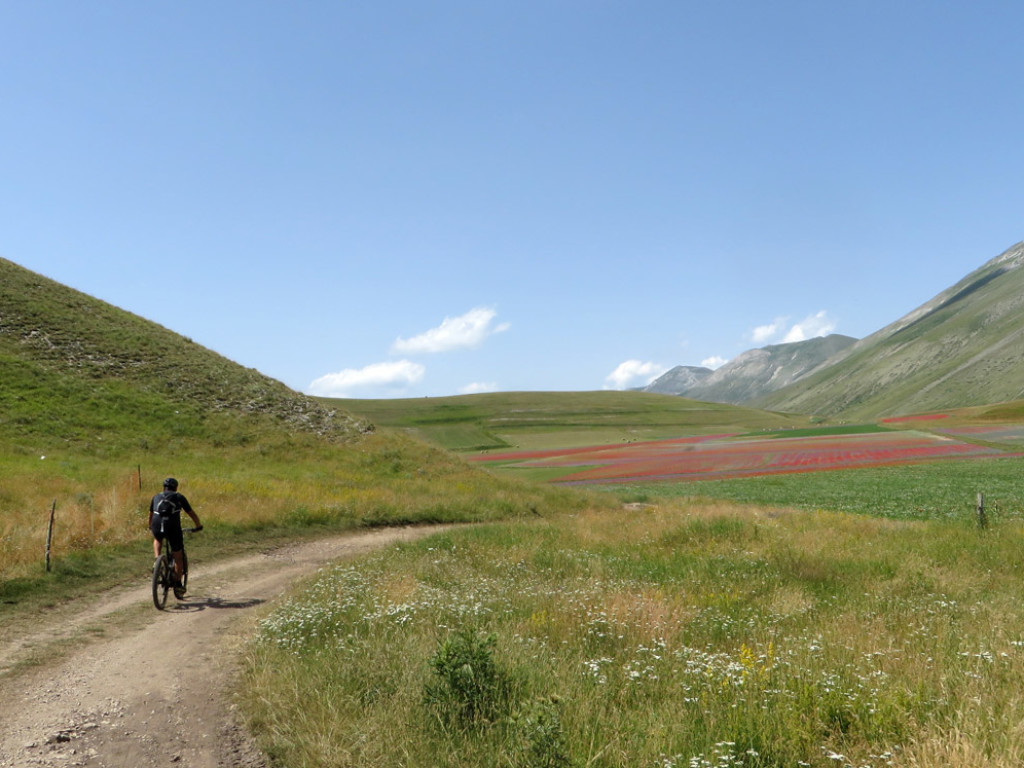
699,636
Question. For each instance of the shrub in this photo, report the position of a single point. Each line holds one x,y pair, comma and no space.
470,689
538,729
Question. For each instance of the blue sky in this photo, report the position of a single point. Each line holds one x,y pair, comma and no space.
400,199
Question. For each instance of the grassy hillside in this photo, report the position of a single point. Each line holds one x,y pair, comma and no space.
93,399
76,369
962,348
539,420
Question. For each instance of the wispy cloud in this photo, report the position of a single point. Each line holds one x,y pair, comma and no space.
633,373
468,330
343,383
714,362
780,330
819,324
479,386
765,333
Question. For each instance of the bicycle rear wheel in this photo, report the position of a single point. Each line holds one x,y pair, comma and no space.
161,581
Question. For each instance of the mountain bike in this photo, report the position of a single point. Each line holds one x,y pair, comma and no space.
163,572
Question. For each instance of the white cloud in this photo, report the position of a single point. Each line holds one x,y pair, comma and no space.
342,383
811,327
779,330
633,373
468,330
764,333
714,362
479,386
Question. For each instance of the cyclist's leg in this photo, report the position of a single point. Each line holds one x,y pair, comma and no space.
179,564
155,529
180,574
176,541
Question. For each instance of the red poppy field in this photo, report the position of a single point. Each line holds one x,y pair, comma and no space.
733,456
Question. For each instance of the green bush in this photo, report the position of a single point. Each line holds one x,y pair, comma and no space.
542,739
470,688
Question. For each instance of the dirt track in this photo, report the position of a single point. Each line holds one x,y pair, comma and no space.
141,688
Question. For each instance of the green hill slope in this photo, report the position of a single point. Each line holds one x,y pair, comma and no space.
535,420
960,349
76,369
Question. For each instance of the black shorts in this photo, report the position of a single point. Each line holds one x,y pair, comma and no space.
171,528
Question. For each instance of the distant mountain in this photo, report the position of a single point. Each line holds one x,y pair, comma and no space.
678,380
964,347
758,372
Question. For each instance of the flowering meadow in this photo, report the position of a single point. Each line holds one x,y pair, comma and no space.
658,636
727,456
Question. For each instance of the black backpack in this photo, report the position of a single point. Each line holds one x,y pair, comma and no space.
165,507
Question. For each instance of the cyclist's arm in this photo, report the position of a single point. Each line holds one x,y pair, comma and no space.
189,511
195,519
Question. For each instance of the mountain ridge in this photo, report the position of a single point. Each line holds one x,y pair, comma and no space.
753,373
678,380
955,350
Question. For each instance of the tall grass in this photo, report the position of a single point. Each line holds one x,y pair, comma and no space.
677,636
293,481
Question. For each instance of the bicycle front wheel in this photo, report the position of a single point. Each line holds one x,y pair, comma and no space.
161,582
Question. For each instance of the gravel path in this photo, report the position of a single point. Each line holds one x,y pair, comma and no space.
128,686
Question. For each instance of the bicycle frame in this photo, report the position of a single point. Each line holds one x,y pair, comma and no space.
163,572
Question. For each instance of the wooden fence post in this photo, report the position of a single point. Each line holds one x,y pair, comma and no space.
982,521
49,534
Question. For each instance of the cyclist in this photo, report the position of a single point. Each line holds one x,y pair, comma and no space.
165,520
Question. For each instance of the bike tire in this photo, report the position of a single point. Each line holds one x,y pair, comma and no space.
161,582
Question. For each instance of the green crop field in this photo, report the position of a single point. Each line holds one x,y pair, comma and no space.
931,491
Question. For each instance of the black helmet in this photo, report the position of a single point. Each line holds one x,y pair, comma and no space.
170,484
